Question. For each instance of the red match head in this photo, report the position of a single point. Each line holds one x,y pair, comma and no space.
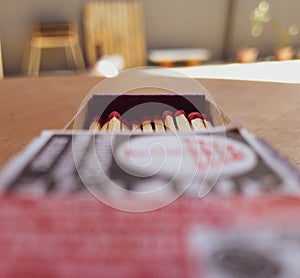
194,115
180,112
146,119
206,117
157,118
97,119
114,114
167,113
125,122
136,123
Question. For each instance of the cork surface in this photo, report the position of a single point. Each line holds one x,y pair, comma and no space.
30,105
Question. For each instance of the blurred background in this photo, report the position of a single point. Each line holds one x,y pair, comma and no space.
221,26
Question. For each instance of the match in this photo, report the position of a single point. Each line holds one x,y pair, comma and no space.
169,121
136,126
114,123
125,126
181,121
95,124
146,124
207,120
158,123
196,121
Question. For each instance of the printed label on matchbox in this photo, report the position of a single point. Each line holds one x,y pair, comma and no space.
201,155
260,253
197,164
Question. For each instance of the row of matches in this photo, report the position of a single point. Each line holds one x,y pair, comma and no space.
178,121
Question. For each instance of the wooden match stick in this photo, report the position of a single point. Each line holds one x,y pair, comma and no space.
196,121
136,126
181,121
146,124
169,121
158,123
114,123
125,125
104,126
95,124
207,121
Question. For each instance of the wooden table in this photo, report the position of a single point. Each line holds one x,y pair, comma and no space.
168,57
32,104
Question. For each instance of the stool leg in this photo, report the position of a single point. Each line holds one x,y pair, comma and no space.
25,63
68,56
78,57
1,64
34,61
37,61
30,61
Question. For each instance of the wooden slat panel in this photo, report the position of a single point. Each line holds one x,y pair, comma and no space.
115,27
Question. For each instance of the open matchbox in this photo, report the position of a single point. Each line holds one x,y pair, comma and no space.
247,224
226,158
135,106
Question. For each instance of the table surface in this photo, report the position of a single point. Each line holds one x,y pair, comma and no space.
32,104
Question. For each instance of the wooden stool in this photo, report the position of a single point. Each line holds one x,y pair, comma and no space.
1,63
53,35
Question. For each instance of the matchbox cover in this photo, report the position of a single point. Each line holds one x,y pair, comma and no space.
195,164
213,237
212,204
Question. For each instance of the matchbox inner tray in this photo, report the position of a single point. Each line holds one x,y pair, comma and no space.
135,106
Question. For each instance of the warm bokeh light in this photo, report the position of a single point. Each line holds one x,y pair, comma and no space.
293,30
109,66
259,16
263,6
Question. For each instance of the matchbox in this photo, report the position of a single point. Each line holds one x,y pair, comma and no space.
133,107
125,168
